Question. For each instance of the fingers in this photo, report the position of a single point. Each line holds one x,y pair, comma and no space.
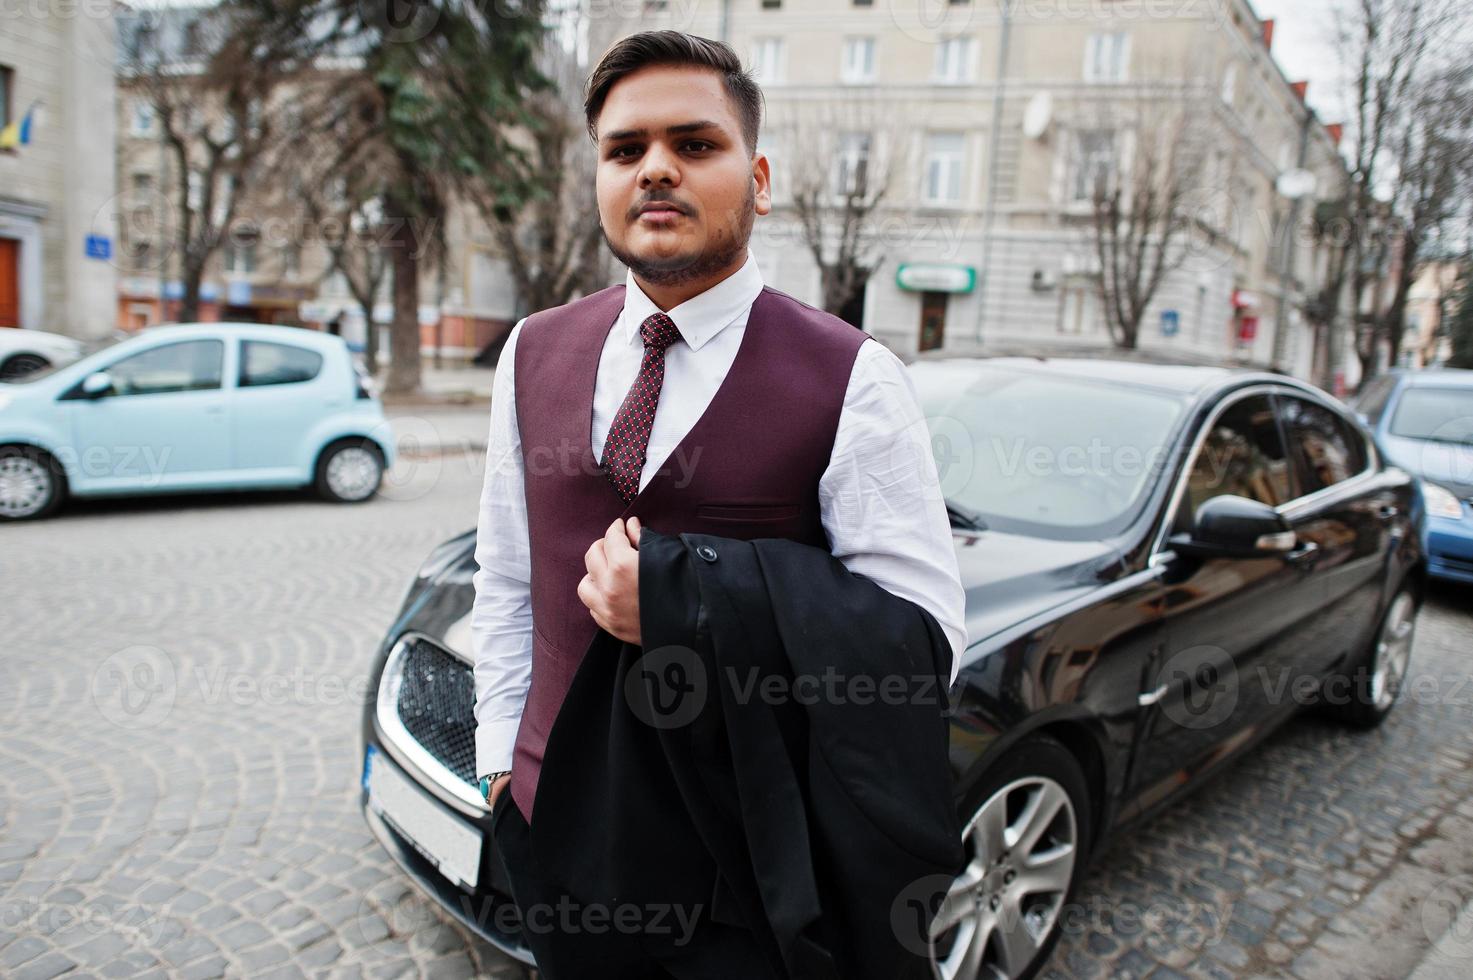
596,560
633,527
617,548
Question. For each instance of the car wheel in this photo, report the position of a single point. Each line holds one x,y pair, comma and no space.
32,483
1365,695
350,471
1027,843
21,365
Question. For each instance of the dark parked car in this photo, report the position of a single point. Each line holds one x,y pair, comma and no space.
1423,422
1162,564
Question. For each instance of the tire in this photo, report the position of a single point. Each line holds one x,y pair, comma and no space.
21,365
971,938
1365,692
349,471
32,483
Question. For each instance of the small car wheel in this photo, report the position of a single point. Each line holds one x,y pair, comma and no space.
350,471
21,365
32,483
1027,845
1364,694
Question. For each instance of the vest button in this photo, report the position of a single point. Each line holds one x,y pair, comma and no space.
707,552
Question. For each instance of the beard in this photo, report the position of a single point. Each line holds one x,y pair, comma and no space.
721,251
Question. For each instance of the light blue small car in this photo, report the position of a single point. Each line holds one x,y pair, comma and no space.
1423,422
193,407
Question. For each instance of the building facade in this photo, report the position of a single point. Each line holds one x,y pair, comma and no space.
992,125
57,220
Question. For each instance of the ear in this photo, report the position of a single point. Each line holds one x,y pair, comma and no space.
762,174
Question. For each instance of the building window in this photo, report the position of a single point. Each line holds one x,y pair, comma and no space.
143,118
851,164
954,61
859,60
945,153
7,88
291,260
142,184
1230,84
240,257
1092,164
767,60
772,4
1107,57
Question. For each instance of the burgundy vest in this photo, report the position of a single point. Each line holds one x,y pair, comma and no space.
749,467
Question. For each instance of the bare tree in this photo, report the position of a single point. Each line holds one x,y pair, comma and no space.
552,241
1391,48
1147,205
209,78
1433,146
842,160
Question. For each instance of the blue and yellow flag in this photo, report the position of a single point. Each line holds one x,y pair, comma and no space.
18,133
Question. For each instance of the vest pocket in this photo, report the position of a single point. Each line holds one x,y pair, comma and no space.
737,513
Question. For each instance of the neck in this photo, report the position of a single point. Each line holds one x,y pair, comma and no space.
667,297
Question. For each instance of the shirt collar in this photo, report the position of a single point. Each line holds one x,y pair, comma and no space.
702,316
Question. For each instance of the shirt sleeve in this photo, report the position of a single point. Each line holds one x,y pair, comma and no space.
880,499
501,617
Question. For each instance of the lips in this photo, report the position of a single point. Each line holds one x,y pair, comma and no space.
661,211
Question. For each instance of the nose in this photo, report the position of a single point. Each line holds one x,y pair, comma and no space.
660,166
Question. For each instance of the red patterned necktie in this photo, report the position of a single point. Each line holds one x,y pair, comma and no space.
629,435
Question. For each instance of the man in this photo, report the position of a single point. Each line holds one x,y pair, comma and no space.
691,399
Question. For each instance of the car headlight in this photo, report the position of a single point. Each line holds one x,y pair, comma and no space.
1442,502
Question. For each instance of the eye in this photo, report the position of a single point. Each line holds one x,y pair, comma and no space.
618,151
699,145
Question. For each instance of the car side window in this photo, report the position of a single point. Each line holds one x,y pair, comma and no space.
1243,455
265,363
1327,448
1372,399
191,365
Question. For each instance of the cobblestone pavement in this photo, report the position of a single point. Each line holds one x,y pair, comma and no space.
180,690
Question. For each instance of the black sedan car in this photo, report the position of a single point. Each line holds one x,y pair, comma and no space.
1162,564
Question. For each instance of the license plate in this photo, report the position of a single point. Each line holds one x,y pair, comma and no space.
447,842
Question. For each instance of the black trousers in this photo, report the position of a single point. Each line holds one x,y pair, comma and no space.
573,940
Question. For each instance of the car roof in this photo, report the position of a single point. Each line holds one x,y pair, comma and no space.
247,331
1183,379
1437,378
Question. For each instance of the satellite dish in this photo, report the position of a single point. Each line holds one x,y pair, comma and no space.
1038,115
1296,184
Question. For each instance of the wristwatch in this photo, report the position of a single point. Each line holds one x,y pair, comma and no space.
487,780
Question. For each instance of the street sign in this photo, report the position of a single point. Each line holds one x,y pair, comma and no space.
936,278
99,247
1170,323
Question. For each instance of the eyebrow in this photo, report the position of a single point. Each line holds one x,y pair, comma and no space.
681,129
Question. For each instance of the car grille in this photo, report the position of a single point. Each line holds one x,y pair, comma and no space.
436,704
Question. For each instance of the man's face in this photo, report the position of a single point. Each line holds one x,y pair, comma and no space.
677,190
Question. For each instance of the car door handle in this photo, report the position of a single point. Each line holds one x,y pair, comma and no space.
1306,554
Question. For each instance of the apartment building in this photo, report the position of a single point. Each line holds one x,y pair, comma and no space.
56,169
993,123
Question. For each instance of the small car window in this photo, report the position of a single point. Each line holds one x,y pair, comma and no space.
1243,455
1328,449
264,363
191,365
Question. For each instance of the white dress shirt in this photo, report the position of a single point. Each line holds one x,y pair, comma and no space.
879,497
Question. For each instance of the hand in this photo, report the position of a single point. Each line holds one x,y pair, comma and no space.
610,590
497,786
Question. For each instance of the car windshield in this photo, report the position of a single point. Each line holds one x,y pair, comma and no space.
1044,455
1435,414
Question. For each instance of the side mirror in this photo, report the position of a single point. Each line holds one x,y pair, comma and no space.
1236,527
97,385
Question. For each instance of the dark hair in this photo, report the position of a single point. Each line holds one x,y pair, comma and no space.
676,48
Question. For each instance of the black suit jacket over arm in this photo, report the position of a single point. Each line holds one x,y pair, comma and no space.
775,756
